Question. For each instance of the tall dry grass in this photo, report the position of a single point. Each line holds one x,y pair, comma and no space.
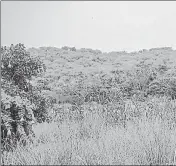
93,141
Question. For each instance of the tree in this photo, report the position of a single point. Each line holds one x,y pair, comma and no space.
17,69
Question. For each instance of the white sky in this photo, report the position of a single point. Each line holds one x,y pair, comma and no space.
104,25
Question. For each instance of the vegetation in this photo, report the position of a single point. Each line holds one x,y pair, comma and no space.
17,69
91,107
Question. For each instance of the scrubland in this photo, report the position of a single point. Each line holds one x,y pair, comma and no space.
113,108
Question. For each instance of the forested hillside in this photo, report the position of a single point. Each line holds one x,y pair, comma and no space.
82,96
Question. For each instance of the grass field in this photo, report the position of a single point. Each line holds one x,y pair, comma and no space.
92,141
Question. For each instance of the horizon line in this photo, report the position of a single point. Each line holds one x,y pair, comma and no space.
97,49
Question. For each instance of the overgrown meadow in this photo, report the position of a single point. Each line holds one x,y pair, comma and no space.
88,107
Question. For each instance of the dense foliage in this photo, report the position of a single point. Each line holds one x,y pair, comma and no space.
17,99
26,93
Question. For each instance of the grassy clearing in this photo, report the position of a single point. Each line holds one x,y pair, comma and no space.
93,141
